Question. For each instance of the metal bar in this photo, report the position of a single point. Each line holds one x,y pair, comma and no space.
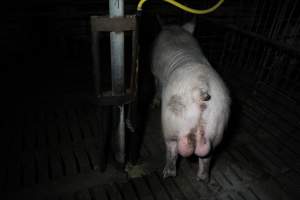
134,67
116,9
227,67
120,153
281,19
288,25
116,24
221,60
131,121
275,19
256,11
265,27
96,62
274,44
113,100
117,62
259,17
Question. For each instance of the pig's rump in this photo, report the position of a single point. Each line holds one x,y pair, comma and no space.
195,101
197,125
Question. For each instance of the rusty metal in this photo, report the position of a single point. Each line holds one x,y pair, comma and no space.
116,24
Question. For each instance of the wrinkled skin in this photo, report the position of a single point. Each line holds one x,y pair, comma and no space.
194,99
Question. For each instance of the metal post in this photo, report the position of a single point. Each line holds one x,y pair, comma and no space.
96,63
116,9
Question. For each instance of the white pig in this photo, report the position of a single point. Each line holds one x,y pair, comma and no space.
195,101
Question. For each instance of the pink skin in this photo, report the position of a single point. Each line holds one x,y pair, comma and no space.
202,144
185,149
194,142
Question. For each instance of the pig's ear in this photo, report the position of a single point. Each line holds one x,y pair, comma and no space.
190,26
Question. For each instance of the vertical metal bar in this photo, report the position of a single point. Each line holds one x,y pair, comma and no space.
96,62
281,19
134,137
244,55
238,18
116,9
288,25
134,69
275,19
297,28
229,55
120,150
256,13
260,17
221,64
265,27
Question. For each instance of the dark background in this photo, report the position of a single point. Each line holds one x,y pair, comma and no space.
46,44
46,67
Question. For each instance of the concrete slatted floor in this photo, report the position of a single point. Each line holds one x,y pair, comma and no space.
52,152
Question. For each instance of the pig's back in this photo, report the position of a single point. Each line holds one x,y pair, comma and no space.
174,48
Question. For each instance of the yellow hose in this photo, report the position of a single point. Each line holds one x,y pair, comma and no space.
185,8
140,4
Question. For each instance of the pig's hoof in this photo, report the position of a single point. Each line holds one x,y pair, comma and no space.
203,178
169,172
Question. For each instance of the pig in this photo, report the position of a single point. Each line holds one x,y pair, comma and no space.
195,102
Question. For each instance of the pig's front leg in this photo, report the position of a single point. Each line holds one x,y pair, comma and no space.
171,158
203,170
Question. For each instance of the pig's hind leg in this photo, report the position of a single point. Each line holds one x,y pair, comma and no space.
171,158
203,170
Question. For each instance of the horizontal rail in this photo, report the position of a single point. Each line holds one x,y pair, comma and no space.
275,44
114,24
